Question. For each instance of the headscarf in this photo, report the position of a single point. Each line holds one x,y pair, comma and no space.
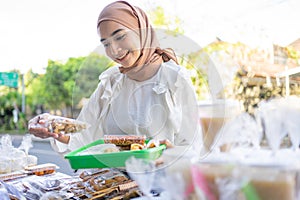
135,19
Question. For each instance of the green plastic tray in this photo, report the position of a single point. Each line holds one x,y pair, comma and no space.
109,160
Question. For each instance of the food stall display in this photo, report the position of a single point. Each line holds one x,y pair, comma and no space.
95,181
96,184
247,159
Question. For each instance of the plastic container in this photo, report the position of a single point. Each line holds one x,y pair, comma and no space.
213,116
108,160
273,182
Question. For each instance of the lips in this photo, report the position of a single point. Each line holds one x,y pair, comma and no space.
121,58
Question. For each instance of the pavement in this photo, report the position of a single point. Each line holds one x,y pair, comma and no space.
20,136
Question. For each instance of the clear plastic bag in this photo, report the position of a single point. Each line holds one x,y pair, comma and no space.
58,124
143,172
241,131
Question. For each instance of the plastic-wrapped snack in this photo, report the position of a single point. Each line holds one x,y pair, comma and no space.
59,125
42,169
125,140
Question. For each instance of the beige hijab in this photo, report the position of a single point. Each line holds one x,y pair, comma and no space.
135,19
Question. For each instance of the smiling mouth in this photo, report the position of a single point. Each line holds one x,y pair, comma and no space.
122,57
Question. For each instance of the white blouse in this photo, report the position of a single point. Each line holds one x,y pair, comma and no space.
163,107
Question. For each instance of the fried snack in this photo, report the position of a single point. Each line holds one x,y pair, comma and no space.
152,144
136,146
42,169
124,140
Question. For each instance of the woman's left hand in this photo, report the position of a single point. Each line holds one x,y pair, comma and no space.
167,143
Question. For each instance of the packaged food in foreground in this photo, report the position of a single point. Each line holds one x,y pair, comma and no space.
42,169
59,124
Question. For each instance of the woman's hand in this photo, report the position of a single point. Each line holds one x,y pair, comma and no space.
167,143
37,126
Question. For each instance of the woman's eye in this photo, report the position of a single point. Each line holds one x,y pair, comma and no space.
106,44
120,37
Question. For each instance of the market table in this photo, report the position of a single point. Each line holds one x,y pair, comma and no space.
45,183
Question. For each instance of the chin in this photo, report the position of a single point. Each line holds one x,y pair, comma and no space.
127,65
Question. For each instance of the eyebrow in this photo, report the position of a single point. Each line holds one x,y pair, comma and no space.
113,33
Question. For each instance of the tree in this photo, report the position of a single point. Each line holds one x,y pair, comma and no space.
64,84
87,78
172,26
53,90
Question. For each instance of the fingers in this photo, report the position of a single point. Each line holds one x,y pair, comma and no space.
39,132
167,143
159,161
43,133
34,120
36,127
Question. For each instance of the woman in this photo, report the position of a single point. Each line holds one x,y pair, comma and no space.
148,93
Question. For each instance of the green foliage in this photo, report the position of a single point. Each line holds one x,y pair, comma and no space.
10,99
87,77
65,84
293,54
198,78
173,26
34,91
53,85
159,19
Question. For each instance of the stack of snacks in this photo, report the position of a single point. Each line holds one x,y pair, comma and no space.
126,142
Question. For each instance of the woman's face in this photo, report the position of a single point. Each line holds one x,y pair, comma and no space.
121,44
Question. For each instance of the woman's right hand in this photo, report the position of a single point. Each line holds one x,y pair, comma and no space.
37,126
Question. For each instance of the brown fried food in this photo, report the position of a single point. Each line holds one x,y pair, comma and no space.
124,140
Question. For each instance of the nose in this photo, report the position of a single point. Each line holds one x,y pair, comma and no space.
115,49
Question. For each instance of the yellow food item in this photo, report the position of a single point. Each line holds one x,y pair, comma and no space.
152,144
136,146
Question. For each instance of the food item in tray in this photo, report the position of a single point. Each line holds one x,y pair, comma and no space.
136,146
124,140
152,144
59,125
99,149
111,150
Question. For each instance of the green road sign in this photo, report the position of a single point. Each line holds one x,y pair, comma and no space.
9,79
